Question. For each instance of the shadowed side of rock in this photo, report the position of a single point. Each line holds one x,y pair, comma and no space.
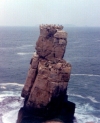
65,116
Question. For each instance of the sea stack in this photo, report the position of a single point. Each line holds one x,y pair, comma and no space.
45,89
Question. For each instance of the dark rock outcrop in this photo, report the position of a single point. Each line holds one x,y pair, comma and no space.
46,84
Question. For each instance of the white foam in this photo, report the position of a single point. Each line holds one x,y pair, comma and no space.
9,110
1,98
14,104
4,84
92,99
23,53
20,47
84,109
10,117
25,46
9,93
6,48
85,75
83,113
88,97
82,118
3,87
76,95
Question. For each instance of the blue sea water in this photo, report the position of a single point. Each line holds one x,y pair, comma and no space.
17,45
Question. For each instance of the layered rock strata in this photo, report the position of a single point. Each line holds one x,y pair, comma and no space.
47,79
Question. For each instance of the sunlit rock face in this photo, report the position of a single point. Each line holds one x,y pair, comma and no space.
52,42
47,79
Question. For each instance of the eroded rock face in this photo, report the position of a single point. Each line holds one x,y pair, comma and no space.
49,73
52,42
51,81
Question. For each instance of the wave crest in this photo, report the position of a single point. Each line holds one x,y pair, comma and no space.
23,53
85,75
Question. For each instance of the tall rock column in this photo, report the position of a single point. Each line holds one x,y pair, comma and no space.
47,80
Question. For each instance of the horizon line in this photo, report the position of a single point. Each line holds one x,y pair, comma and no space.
63,25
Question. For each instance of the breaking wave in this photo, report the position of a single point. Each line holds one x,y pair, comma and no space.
19,47
24,46
83,114
4,84
9,108
85,75
22,53
92,99
11,102
11,105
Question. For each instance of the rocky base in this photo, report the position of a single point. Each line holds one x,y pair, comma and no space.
65,114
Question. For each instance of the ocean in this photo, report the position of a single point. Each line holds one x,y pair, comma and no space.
17,45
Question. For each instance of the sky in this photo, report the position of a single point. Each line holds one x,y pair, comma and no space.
35,12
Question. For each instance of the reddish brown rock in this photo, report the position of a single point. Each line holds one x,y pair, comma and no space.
38,98
29,82
52,42
52,79
34,61
48,76
60,34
